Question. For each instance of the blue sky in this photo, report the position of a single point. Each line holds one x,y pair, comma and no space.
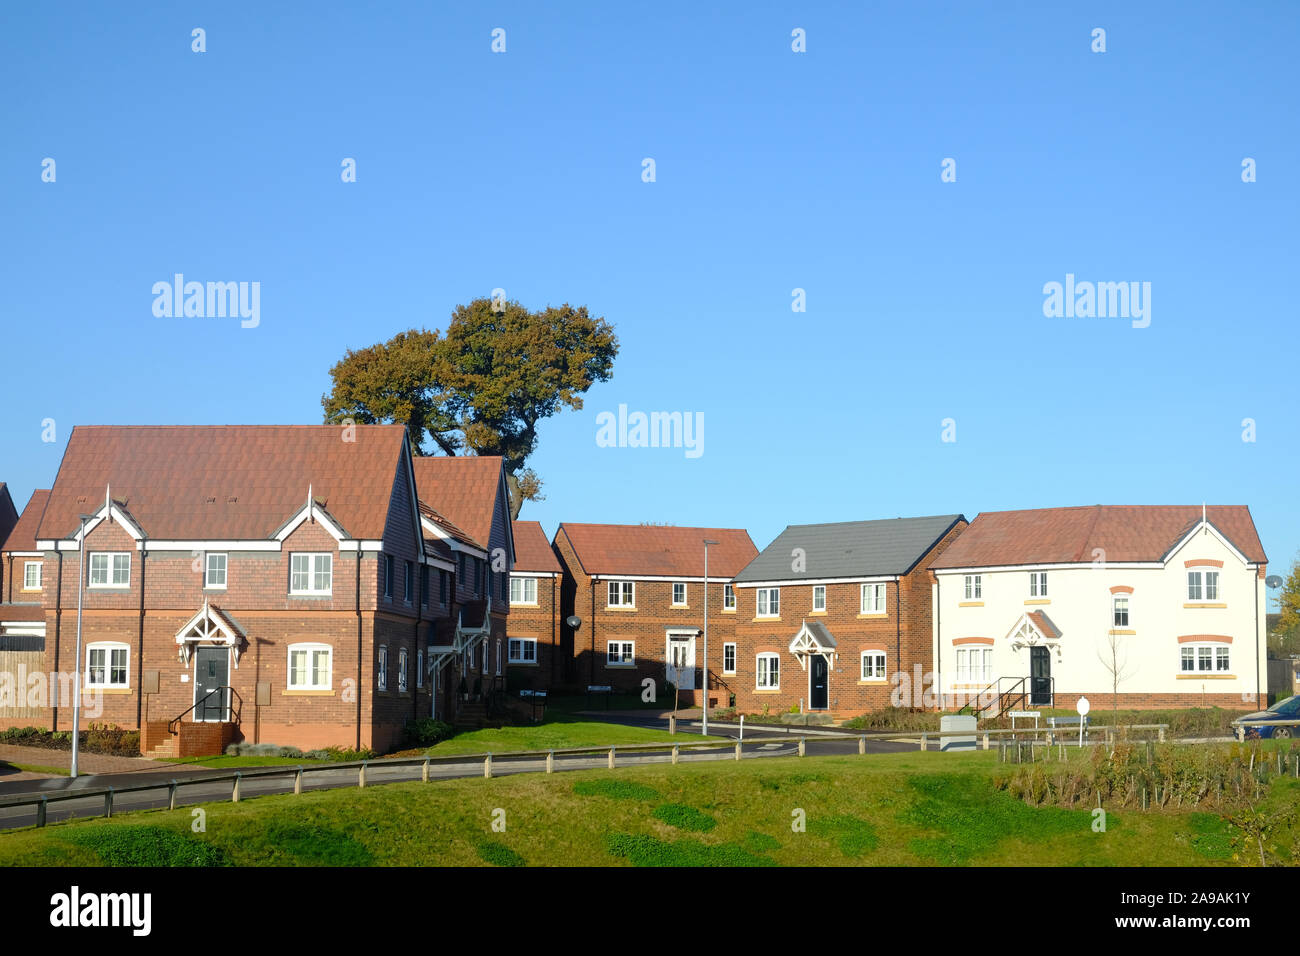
775,170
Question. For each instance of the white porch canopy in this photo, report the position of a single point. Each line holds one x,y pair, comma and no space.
811,640
209,626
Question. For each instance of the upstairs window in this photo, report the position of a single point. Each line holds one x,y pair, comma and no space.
110,569
679,594
523,590
974,590
388,576
1120,610
1037,584
1202,585
622,594
311,573
819,597
769,602
442,586
873,599
215,572
728,597
32,576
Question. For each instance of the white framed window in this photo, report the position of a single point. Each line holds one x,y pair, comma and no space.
32,576
214,574
728,597
1038,584
498,657
311,573
1205,658
401,670
1119,610
522,650
419,668
620,653
963,666
873,599
388,576
381,669
769,602
310,666
873,665
1202,585
819,597
110,569
728,658
975,665
768,667
108,665
523,590
622,594
679,594
974,587
484,668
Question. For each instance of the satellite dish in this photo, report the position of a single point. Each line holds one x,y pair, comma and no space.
573,621
1274,580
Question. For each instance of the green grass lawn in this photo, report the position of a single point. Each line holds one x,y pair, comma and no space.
555,733
893,809
35,768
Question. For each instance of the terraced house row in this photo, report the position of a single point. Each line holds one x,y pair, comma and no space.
319,585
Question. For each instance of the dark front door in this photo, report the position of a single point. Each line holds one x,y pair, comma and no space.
1040,677
211,673
820,690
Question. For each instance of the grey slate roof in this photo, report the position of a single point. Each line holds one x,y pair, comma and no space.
821,633
849,549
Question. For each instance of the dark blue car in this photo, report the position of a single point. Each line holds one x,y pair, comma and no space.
1248,728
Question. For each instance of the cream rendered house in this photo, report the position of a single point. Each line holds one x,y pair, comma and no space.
1037,608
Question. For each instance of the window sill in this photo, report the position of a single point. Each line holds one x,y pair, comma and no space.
728,673
770,617
306,693
312,594
214,587
1204,604
679,607
816,613
108,587
618,607
31,590
767,690
873,682
875,616
621,667
1122,632
1207,677
524,604
1038,601
523,664
96,689
728,610
971,604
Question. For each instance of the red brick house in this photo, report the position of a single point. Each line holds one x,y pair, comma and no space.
266,583
535,656
828,614
639,591
465,521
8,518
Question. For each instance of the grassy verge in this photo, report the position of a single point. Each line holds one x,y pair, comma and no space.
222,762
556,733
896,809
34,768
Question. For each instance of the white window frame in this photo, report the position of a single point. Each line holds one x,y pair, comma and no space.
111,568
388,577
28,584
498,671
1215,651
869,674
381,668
1115,611
767,602
624,656
515,655
880,602
403,682
408,583
311,649
963,666
209,569
1038,584
313,559
819,591
729,650
974,587
622,593
728,597
419,668
682,602
521,586
763,669
109,649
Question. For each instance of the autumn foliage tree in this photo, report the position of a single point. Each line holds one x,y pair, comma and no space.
1285,638
483,386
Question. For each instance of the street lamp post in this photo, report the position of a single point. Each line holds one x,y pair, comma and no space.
76,680
705,729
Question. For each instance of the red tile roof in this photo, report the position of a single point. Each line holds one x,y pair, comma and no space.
1044,624
463,488
23,537
1071,535
448,528
532,550
658,551
237,482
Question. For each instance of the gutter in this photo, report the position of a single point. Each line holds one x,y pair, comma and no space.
360,647
898,627
139,655
58,621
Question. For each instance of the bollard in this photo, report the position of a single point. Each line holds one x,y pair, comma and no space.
676,753
361,775
737,749
802,742
40,812
297,781
1161,736
487,766
742,726
234,789
925,740
550,762
108,803
611,758
672,725
171,795
862,745
424,771
986,740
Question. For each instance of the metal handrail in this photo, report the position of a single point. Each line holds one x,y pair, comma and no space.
235,712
